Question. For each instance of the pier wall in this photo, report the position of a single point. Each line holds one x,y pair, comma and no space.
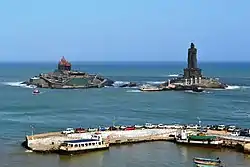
50,142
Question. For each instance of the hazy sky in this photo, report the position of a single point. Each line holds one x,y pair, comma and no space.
124,30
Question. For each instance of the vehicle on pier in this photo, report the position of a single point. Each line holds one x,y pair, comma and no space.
138,126
68,131
83,145
207,162
150,126
80,130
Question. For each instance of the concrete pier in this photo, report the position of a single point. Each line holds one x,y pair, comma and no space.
50,142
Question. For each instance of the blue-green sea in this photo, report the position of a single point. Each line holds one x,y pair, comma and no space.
54,110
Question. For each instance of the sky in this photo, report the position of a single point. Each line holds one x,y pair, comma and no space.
124,30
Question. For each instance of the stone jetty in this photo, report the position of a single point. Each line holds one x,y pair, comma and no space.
50,142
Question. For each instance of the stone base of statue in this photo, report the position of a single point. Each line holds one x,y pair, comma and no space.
192,73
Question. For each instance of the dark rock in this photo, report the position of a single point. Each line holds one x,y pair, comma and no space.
108,82
130,84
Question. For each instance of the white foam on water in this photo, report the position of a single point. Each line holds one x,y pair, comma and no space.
133,91
173,75
156,82
28,151
232,87
119,83
18,84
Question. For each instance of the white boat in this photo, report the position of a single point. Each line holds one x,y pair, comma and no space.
150,88
83,145
35,91
184,138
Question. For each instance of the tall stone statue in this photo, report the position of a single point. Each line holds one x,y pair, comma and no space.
192,56
192,70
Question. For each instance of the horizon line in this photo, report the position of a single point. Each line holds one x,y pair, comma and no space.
129,61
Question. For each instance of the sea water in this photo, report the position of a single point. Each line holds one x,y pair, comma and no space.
55,110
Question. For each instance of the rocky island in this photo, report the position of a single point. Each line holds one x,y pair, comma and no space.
192,76
65,78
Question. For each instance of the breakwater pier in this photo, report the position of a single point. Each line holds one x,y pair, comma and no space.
50,142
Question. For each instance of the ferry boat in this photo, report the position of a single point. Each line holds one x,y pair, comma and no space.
198,139
207,162
35,91
150,88
83,145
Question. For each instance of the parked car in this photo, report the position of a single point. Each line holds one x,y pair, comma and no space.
221,127
149,125
235,133
80,130
112,128
130,128
213,127
245,132
92,129
68,131
193,126
138,126
231,128
175,126
203,130
161,126
123,127
102,129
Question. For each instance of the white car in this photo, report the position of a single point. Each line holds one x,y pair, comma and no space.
231,128
149,126
221,127
68,131
235,133
138,126
161,126
193,127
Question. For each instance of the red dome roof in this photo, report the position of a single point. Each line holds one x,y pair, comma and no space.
64,62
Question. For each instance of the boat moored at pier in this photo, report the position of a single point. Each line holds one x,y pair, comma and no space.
96,142
198,139
207,162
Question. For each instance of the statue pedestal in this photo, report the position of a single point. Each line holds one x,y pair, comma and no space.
192,73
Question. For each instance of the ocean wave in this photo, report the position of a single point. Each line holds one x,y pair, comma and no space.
233,87
133,91
18,84
173,75
120,83
155,82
